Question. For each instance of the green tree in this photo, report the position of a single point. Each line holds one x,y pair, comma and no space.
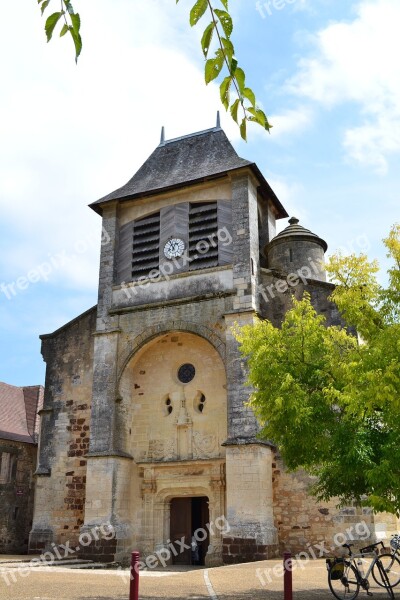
223,60
330,400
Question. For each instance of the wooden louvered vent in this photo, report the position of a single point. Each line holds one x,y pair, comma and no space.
145,250
203,228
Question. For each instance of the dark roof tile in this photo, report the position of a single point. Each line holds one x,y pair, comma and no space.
183,161
18,412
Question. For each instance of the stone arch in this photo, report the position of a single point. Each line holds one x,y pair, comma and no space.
167,327
150,377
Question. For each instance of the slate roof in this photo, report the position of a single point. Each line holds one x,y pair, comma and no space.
185,160
18,412
297,232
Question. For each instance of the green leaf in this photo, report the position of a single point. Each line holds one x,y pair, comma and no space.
225,20
234,110
44,5
249,94
258,115
77,42
51,22
263,120
214,66
229,50
243,129
64,30
207,37
225,3
76,22
234,64
198,11
211,70
240,79
224,91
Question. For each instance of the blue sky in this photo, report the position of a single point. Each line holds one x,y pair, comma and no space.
325,71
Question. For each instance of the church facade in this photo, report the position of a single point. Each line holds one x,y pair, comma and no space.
145,423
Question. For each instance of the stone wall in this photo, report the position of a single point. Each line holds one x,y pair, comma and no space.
276,296
303,523
61,473
16,498
250,510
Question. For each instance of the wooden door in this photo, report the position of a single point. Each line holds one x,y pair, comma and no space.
181,528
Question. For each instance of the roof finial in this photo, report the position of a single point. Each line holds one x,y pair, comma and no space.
218,126
293,221
162,140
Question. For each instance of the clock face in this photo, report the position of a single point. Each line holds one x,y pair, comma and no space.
174,248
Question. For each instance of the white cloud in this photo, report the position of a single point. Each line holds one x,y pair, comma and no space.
358,62
290,122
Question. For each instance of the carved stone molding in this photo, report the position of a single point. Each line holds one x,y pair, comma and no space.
149,487
204,446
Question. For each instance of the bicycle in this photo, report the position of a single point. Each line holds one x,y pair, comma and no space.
391,563
346,576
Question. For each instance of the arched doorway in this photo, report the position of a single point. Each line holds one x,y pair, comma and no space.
189,530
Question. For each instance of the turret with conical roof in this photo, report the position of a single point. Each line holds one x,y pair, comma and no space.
297,248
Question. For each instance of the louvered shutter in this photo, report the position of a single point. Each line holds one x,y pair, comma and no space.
203,228
145,248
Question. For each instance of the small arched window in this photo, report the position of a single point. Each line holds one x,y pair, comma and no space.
199,402
168,406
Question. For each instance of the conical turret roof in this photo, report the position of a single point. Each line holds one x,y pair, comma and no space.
296,232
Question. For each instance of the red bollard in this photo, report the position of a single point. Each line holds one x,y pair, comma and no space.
287,576
134,583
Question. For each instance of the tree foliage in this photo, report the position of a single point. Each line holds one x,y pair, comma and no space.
235,96
331,400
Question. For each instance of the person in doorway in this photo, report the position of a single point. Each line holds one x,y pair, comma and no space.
195,551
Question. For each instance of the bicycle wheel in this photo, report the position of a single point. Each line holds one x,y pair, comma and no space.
391,565
347,586
382,576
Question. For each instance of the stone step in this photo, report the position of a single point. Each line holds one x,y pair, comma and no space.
67,562
62,562
92,565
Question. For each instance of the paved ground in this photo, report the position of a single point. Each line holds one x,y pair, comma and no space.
260,580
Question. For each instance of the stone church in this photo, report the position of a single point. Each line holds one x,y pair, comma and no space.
145,423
